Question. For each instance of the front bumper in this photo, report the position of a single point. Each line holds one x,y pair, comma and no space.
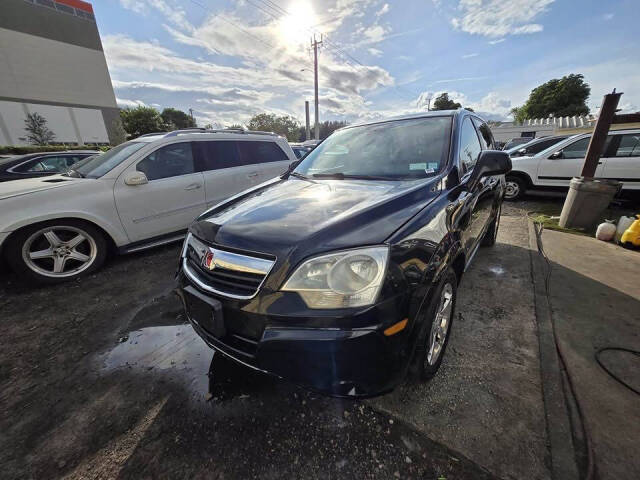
305,350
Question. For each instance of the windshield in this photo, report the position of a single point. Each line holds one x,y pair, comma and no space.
398,149
98,165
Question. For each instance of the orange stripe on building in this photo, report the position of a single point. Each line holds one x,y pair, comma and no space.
79,4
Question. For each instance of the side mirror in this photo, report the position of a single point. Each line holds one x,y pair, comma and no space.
491,162
556,155
135,178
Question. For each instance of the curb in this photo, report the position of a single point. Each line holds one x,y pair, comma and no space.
559,431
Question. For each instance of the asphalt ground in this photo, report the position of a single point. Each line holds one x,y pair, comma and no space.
102,378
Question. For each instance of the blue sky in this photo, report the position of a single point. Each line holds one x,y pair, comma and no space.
231,59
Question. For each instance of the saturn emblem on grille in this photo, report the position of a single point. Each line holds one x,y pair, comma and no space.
208,261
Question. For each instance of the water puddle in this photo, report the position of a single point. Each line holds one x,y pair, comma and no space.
496,269
177,351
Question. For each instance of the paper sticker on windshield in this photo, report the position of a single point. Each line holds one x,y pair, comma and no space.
417,166
432,166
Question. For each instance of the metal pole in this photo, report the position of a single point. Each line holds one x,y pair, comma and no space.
600,132
315,75
306,113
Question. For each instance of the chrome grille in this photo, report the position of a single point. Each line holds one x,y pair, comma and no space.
232,274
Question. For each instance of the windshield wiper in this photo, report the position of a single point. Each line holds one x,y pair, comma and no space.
301,176
342,176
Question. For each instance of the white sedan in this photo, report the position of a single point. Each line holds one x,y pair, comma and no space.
139,194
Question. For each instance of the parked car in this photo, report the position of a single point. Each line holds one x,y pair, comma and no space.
300,150
557,165
40,164
514,142
342,274
139,194
535,146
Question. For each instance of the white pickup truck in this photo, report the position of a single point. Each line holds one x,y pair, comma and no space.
557,165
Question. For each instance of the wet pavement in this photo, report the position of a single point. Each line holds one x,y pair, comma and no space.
486,401
102,378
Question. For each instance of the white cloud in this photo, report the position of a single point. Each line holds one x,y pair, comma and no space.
263,80
494,42
173,13
497,18
385,9
375,33
375,52
492,106
126,103
470,55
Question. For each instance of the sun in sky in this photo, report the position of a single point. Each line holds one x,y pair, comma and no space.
296,27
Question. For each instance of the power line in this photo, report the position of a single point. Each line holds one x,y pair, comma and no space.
347,57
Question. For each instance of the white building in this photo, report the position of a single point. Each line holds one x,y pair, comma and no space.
540,127
52,63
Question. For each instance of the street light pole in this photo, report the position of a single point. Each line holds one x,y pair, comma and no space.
314,44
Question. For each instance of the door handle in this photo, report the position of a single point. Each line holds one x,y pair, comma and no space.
193,186
252,175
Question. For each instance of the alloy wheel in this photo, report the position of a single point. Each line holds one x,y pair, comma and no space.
512,189
59,251
440,327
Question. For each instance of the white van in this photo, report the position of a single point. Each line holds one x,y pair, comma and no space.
557,165
142,193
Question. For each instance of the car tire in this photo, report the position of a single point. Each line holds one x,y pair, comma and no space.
56,251
491,234
432,341
515,188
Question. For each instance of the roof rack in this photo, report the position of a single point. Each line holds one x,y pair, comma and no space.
175,133
153,134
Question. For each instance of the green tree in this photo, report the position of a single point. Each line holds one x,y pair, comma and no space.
443,102
118,133
559,97
284,125
140,120
235,126
37,131
177,119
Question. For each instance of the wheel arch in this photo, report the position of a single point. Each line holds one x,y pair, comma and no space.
111,241
522,175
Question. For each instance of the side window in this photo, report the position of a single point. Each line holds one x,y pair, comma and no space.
578,149
629,146
50,164
469,145
218,154
486,138
260,152
170,161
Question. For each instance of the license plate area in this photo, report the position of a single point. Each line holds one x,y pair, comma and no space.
206,312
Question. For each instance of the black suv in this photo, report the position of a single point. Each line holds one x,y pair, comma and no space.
341,274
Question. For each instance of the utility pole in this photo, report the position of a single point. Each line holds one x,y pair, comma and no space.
600,132
314,44
306,113
191,115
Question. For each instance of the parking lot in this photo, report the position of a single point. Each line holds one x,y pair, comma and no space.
103,378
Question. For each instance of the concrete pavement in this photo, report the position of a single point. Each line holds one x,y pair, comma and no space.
594,292
486,401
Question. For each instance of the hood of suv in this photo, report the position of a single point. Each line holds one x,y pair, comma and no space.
25,186
313,216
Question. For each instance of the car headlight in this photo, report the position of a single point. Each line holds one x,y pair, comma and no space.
350,278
